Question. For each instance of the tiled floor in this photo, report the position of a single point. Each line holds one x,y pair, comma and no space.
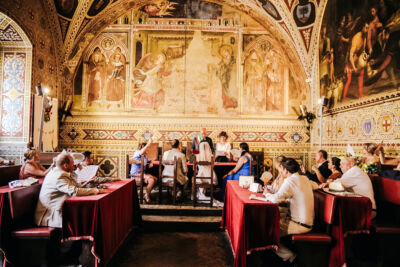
175,249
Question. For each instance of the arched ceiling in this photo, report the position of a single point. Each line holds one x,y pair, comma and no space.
11,35
81,21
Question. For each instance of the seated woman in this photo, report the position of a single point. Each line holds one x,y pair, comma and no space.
205,154
278,181
369,150
223,147
136,168
395,162
334,166
32,167
242,167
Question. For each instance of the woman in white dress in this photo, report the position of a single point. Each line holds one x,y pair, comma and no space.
205,154
223,149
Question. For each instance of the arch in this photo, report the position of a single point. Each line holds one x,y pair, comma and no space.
115,11
15,83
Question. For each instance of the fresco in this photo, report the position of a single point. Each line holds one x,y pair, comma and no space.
191,9
179,70
66,8
359,49
97,6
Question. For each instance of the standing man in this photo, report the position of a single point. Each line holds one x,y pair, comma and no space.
322,171
358,46
56,188
201,138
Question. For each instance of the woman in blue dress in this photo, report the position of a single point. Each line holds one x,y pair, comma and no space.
136,168
242,167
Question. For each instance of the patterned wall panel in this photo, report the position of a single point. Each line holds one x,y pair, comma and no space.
111,139
13,92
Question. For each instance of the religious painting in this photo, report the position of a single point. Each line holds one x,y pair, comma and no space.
196,75
66,8
105,75
97,6
263,76
191,9
359,50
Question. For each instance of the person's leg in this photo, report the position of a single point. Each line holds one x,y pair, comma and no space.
150,183
361,84
346,87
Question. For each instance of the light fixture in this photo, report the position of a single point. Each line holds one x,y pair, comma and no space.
46,90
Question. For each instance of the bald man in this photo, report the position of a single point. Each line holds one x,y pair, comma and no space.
57,187
201,138
355,178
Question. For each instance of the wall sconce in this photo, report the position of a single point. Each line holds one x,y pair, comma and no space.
306,115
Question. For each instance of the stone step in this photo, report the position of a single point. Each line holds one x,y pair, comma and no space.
180,219
180,210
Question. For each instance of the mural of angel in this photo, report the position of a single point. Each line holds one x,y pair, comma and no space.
97,73
146,83
116,78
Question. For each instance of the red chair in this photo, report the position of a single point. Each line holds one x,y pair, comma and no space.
313,248
32,245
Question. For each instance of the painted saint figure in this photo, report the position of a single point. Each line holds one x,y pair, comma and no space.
225,70
116,78
96,70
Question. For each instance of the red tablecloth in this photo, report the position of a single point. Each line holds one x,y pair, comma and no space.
251,224
105,219
351,215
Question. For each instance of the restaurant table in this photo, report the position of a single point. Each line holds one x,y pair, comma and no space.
252,225
9,173
352,215
105,219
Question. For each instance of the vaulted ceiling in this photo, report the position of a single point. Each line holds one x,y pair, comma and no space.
80,21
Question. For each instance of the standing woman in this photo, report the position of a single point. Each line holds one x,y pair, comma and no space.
205,154
136,168
32,167
224,147
242,167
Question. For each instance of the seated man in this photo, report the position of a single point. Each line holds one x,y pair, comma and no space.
321,171
56,188
356,179
201,138
298,191
182,170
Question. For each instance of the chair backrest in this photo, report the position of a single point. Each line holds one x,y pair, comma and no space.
324,207
130,161
188,150
23,202
167,163
386,189
9,173
152,151
257,162
203,163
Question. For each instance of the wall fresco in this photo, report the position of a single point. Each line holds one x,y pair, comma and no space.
359,51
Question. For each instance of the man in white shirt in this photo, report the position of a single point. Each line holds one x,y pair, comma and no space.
355,178
182,170
57,187
297,190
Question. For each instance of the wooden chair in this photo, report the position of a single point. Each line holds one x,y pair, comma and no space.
210,185
162,184
188,150
166,146
152,151
257,163
139,178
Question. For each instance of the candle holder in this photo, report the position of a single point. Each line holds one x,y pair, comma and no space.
309,117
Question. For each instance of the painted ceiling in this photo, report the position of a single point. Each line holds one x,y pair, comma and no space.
295,23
